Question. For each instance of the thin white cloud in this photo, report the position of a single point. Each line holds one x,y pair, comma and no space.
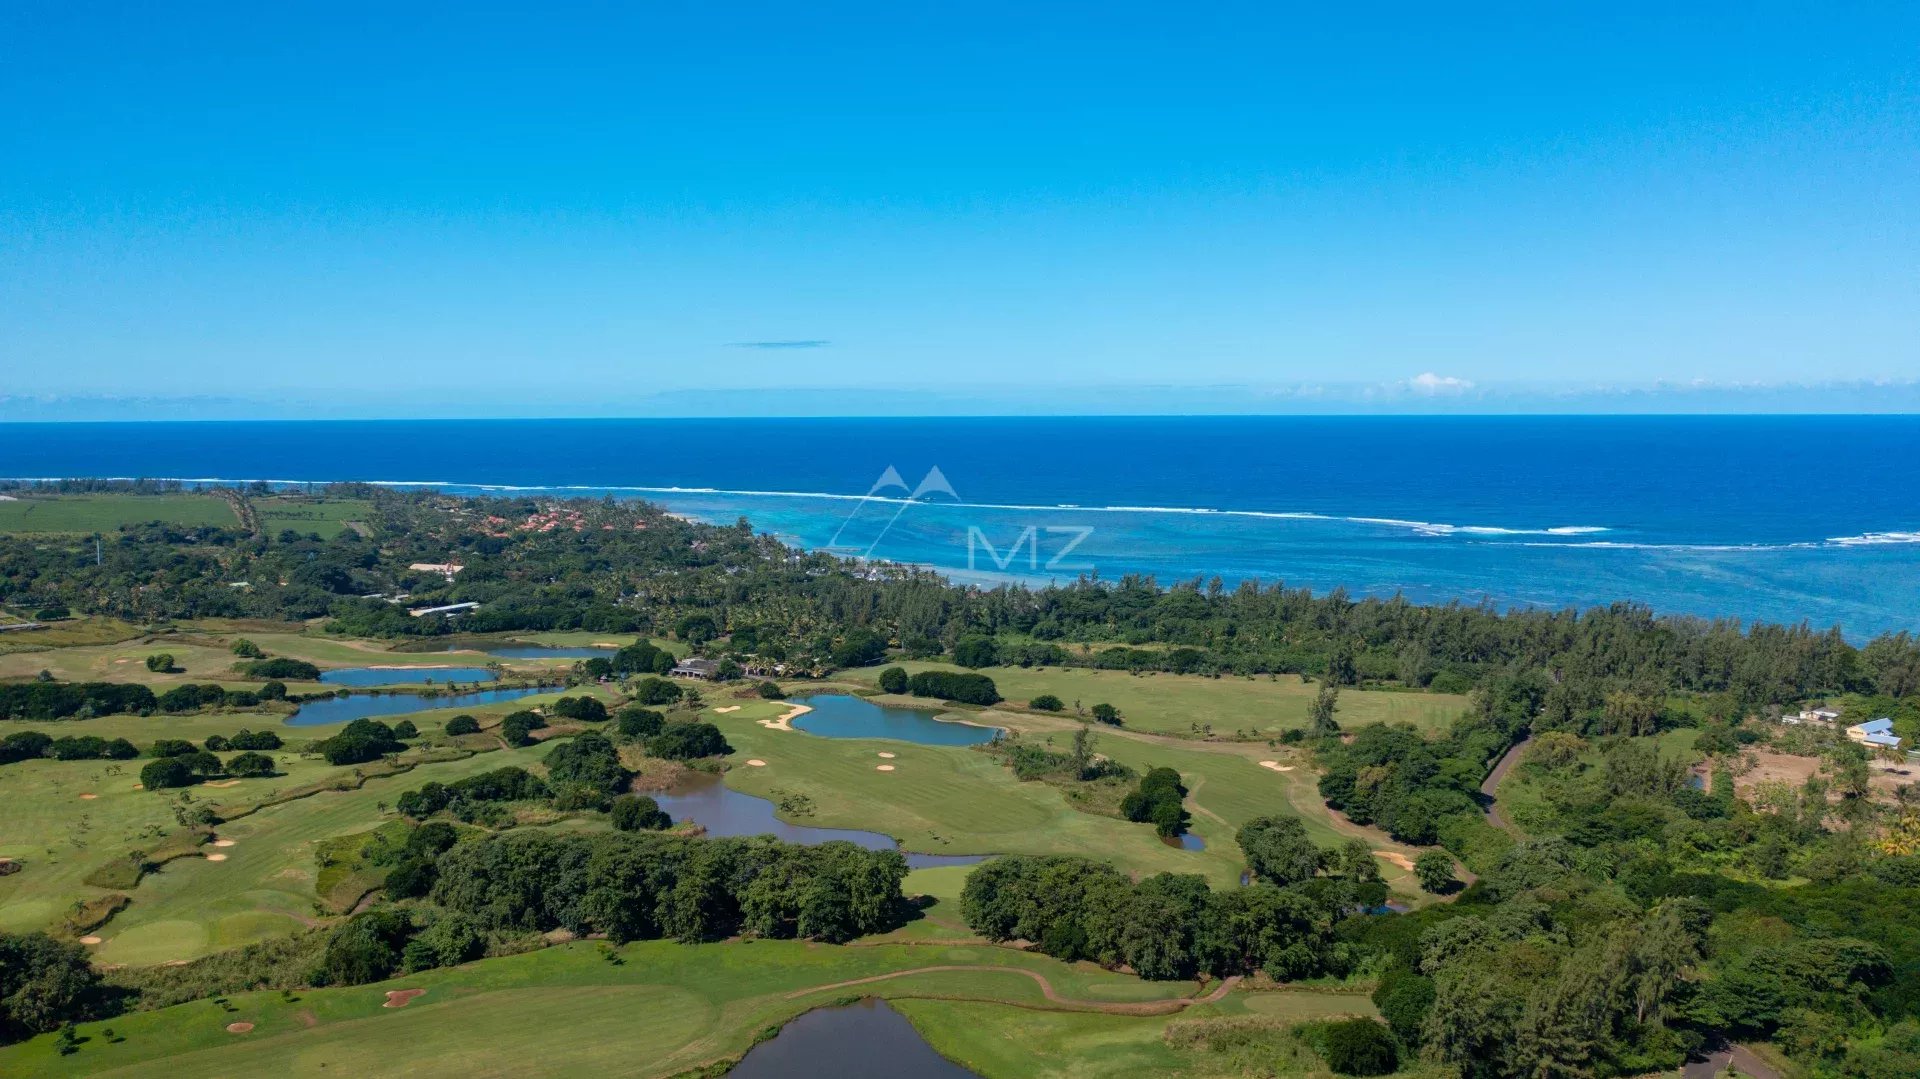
1433,385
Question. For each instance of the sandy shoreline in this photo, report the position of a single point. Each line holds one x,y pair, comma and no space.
785,722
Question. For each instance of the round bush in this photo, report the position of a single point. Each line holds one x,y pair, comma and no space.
1360,1047
463,725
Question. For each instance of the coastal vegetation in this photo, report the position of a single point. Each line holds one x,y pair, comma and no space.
1509,844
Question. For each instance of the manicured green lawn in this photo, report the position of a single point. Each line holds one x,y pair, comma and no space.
999,1042
938,799
327,516
664,1009
1188,705
262,888
107,512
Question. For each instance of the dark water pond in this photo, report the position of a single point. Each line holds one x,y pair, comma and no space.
366,705
512,650
841,715
405,676
867,1040
724,811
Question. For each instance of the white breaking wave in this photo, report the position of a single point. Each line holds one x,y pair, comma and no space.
1874,539
1424,528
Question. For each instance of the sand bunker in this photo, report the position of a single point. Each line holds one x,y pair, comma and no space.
400,998
756,762
89,940
883,767
885,754
223,783
785,723
1276,766
88,797
139,786
728,708
223,842
239,1028
216,857
1396,858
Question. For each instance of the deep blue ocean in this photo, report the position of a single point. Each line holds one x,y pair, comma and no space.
1813,518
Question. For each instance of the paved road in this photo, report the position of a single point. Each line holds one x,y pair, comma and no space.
1500,770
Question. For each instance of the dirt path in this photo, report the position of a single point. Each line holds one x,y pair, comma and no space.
1492,784
1144,1007
1739,1056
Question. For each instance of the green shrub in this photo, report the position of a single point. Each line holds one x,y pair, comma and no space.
281,668
518,728
688,741
639,813
165,773
893,680
463,725
636,723
1046,702
1359,1047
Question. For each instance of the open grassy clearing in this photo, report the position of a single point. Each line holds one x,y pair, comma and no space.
263,888
1186,705
206,656
1227,786
83,513
999,1042
64,633
664,1009
190,907
326,516
196,658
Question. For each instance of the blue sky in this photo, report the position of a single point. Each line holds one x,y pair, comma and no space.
628,209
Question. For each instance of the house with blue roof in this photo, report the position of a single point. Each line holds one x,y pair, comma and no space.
1877,733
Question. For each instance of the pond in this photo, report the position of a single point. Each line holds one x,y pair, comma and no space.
365,705
520,650
1185,841
866,1040
723,811
842,715
405,676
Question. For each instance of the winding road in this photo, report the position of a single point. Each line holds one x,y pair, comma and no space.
1492,783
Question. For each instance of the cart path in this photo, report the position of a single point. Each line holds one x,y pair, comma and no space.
1492,784
1144,1007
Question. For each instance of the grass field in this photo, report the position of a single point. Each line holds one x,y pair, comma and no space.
64,633
107,512
326,516
263,888
203,655
939,799
664,1009
1188,705
996,1041
946,800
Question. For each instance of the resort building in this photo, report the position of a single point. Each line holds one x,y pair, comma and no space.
1877,733
444,569
694,667
451,608
1819,717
